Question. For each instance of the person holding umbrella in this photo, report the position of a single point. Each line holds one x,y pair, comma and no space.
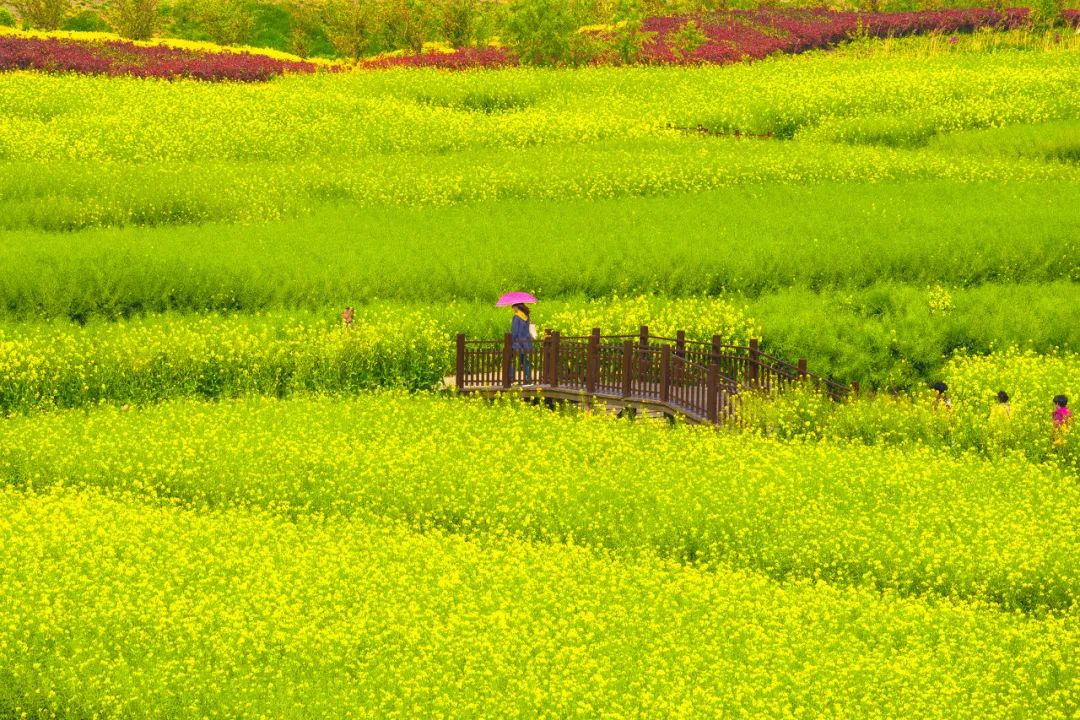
522,331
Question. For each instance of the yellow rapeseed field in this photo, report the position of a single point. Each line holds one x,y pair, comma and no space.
273,515
91,151
115,608
912,519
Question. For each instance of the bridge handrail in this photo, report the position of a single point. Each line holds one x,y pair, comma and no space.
837,390
751,352
702,378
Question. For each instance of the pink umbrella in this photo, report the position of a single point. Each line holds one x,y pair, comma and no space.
512,298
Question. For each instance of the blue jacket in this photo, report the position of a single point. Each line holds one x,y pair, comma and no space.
522,340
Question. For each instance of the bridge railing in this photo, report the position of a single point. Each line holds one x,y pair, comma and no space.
699,379
748,366
493,363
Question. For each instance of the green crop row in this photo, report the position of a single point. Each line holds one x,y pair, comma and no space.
152,359
61,364
1052,141
900,336
914,520
748,240
115,609
71,195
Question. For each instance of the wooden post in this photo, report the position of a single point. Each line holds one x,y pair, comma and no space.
508,360
855,388
592,361
545,358
680,354
459,371
752,373
713,390
643,352
627,368
665,373
553,376
802,368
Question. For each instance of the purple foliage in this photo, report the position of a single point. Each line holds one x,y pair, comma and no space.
125,58
753,34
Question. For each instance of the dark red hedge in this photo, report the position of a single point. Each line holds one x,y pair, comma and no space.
125,58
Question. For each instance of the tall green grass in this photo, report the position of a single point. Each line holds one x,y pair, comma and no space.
63,195
751,241
893,335
1058,141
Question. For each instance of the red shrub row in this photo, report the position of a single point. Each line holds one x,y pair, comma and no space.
737,35
125,58
754,34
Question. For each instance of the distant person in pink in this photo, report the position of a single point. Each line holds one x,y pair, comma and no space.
1062,417
1062,414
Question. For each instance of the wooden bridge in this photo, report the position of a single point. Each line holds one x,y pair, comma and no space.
702,382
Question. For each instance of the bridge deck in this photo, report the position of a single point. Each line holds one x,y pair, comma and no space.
647,399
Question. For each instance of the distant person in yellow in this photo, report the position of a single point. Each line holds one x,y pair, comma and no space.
943,411
1001,416
941,396
1002,412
